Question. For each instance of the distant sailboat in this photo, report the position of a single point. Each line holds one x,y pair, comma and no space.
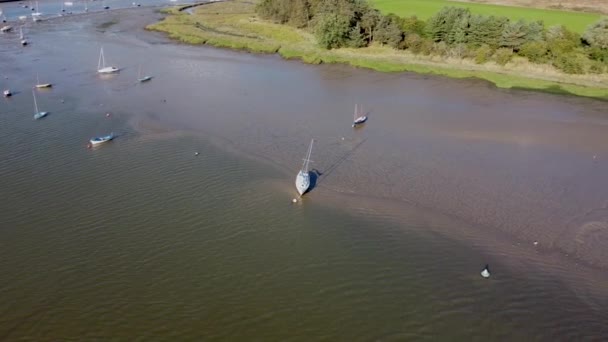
23,40
36,15
42,85
38,114
303,177
6,28
359,116
7,93
144,78
101,65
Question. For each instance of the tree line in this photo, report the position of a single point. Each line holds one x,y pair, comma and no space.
451,32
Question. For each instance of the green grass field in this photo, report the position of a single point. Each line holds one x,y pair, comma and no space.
423,9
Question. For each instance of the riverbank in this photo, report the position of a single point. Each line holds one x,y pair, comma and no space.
234,25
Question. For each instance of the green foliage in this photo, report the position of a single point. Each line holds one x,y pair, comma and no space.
502,56
388,31
368,21
412,42
570,63
332,30
413,25
439,26
596,35
355,37
598,54
516,34
482,54
486,30
300,13
535,52
276,10
596,67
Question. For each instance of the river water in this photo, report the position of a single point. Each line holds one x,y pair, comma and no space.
141,239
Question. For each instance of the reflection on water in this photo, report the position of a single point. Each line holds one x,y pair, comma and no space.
141,238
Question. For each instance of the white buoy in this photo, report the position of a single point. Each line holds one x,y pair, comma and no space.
486,272
294,201
535,243
196,153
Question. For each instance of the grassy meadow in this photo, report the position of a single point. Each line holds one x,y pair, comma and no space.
423,9
235,25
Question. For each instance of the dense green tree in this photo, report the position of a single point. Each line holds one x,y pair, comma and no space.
300,13
486,30
332,30
596,35
369,22
598,54
460,32
388,31
535,52
356,38
413,25
516,34
276,10
439,26
570,63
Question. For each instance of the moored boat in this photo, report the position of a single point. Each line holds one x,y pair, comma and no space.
359,116
7,93
303,177
100,140
101,65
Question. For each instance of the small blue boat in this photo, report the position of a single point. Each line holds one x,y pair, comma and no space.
101,140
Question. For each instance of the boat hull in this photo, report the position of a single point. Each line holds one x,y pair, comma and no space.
40,115
302,182
145,79
46,85
100,140
360,120
107,70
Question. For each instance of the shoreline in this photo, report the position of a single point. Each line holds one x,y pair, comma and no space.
240,29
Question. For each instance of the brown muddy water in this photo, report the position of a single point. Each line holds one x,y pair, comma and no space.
141,239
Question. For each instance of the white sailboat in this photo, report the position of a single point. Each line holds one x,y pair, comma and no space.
359,116
36,15
23,40
144,78
101,65
38,114
42,85
303,177
6,28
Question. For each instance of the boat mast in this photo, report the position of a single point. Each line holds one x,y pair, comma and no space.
307,159
35,103
101,60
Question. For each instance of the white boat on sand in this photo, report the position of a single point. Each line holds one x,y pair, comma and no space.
303,177
42,85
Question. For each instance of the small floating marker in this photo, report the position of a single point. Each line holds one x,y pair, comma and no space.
486,272
294,201
196,153
535,243
108,115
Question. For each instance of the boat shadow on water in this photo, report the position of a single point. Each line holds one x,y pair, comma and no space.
315,175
